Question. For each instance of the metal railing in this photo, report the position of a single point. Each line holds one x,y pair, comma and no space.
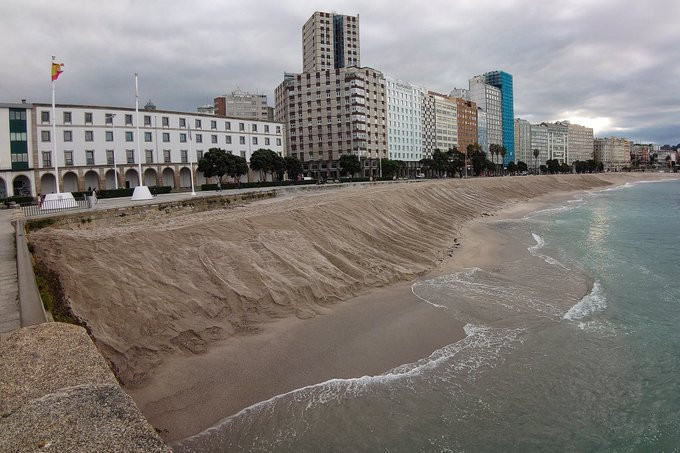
35,208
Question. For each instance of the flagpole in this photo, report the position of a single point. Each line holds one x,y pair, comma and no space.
191,161
139,153
54,130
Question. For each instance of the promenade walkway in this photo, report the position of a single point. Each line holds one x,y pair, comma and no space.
10,318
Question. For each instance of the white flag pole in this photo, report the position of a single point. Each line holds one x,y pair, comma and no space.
191,161
139,153
54,130
141,192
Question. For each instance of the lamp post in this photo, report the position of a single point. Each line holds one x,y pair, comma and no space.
115,168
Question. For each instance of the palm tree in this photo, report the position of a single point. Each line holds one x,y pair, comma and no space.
536,153
502,152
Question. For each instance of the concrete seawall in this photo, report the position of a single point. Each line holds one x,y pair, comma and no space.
57,393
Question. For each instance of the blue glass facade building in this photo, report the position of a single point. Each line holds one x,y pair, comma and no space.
503,81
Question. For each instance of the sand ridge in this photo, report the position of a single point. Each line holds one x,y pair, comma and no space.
173,283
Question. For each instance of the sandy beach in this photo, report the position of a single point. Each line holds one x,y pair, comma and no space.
203,314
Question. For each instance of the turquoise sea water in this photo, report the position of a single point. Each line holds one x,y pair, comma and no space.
573,345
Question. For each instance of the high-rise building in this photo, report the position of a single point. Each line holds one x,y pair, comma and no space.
460,93
539,141
482,130
523,151
503,81
467,123
558,136
613,152
404,121
330,41
488,98
239,104
334,106
446,121
580,141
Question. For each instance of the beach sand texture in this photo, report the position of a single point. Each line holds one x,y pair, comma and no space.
164,284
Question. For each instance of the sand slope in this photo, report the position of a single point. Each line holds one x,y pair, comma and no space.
175,282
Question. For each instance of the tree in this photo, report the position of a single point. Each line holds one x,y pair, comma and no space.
440,161
537,152
471,149
426,165
267,161
512,167
349,164
293,167
237,167
214,163
479,161
553,166
503,152
565,168
522,166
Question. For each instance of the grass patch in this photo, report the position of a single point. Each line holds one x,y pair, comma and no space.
52,294
35,225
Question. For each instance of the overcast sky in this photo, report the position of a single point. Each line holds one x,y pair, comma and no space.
611,65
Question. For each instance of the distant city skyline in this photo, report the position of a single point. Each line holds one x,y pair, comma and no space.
599,64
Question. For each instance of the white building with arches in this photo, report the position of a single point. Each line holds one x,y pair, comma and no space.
96,146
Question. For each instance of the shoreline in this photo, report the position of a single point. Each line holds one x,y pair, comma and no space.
383,327
376,350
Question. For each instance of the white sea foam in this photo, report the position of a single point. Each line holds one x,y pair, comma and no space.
540,243
482,347
590,303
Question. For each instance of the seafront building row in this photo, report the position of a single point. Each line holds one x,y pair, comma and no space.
334,107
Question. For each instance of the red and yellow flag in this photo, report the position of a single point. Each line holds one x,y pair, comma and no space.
56,70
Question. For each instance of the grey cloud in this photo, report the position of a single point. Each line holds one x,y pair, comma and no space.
583,58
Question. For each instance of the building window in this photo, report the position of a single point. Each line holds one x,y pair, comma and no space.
109,136
165,121
47,158
266,141
241,126
89,157
67,117
227,125
254,127
182,138
17,114
182,122
148,154
254,140
197,123
147,120
266,128
166,137
130,156
128,119
278,129
199,138
228,139
242,140
68,136
109,157
108,118
243,154
44,116
166,156
89,136
278,142
183,156
88,117
199,155
147,136
213,125
68,158
45,136
129,136
213,138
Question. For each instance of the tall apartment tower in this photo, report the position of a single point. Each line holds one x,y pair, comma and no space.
523,150
330,41
488,98
503,81
240,104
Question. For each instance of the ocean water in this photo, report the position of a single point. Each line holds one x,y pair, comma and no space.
573,344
